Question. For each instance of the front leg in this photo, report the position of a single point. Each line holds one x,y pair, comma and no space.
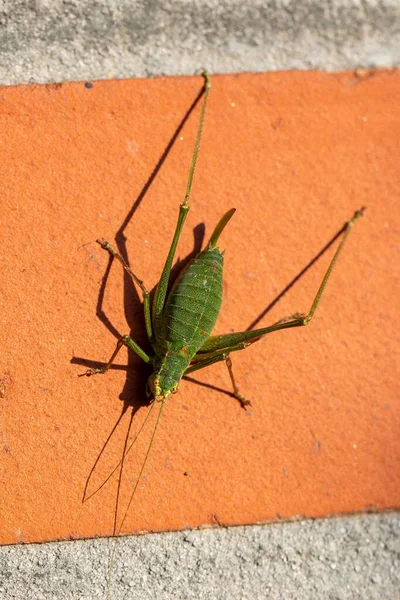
146,295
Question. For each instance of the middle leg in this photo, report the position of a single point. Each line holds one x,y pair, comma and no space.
203,361
125,340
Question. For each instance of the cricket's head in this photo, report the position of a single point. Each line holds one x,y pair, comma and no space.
161,386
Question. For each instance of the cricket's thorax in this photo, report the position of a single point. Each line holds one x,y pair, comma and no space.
169,370
194,302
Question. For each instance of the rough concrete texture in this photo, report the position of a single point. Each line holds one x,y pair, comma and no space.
50,40
332,559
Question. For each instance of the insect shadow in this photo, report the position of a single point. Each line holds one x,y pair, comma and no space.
132,394
133,307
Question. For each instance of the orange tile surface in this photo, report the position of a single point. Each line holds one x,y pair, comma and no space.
296,154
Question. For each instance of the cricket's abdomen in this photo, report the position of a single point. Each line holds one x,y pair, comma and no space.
194,302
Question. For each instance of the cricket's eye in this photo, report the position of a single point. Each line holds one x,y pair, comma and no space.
174,389
153,384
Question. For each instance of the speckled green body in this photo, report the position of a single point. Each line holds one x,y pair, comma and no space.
194,302
190,313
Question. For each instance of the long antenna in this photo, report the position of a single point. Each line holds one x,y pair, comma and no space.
125,455
116,537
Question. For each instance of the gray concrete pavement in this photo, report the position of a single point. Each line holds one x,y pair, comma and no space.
347,558
51,40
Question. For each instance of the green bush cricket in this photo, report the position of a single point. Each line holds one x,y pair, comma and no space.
179,322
